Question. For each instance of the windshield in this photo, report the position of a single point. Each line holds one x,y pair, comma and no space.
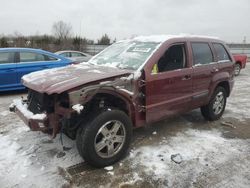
125,54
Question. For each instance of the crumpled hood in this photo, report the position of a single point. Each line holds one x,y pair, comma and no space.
58,80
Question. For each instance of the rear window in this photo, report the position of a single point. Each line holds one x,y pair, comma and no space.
202,53
6,57
221,52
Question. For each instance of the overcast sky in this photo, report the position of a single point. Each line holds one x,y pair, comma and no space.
227,19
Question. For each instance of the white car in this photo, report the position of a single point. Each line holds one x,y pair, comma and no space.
75,55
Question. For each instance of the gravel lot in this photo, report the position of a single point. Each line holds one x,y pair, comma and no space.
206,154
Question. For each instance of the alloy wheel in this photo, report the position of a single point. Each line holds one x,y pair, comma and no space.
110,138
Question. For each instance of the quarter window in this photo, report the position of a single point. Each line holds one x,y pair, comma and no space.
174,58
202,53
6,57
221,52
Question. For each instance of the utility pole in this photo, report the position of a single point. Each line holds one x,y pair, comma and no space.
80,36
244,44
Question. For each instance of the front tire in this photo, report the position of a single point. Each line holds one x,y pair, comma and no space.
216,106
105,139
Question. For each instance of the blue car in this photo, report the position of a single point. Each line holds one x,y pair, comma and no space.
16,62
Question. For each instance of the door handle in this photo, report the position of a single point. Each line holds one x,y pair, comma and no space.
186,77
214,70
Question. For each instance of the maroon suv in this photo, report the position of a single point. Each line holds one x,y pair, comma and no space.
131,83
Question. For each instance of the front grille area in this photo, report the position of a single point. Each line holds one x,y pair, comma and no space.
36,102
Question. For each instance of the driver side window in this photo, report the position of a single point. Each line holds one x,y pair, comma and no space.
174,58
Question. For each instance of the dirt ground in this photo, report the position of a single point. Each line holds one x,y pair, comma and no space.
208,154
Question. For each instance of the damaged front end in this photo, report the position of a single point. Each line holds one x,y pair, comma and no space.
42,112
52,113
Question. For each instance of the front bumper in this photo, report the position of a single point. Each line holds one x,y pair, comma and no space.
36,122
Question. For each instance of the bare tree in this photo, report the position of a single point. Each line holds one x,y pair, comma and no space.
104,40
61,30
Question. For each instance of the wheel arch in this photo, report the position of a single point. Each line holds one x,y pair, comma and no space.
116,100
225,85
239,62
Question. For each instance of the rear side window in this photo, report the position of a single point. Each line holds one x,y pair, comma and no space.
50,58
30,57
75,54
221,52
202,53
6,57
65,54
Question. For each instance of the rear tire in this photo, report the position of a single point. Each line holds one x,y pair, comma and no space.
237,69
216,106
105,139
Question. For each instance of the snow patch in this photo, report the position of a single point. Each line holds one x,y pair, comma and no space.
29,161
95,71
24,110
81,66
110,173
163,38
78,108
108,168
5,113
190,145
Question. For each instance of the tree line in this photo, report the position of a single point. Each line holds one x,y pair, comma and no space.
60,39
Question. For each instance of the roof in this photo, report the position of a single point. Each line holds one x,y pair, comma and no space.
163,38
63,51
22,49
32,50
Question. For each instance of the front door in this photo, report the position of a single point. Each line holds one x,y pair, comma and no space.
169,86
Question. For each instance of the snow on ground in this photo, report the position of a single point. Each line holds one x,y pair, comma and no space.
31,159
194,146
238,104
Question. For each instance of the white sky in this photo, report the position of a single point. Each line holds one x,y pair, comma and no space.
227,19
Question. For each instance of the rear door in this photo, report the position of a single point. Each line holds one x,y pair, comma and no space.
169,86
204,68
8,77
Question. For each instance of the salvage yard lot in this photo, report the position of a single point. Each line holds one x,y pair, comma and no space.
211,154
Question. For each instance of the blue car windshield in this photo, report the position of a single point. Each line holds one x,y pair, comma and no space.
125,54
